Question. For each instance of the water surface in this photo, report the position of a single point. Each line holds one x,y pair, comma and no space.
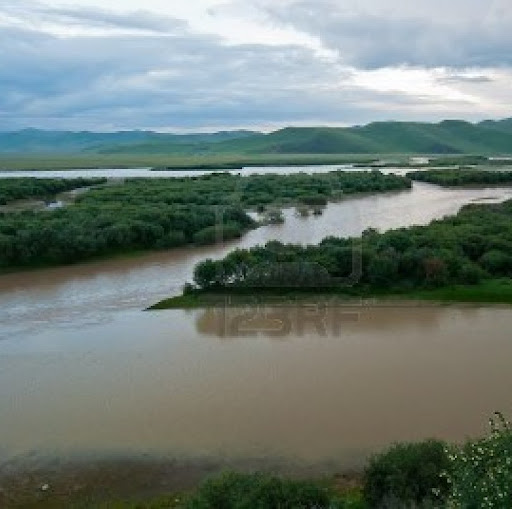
148,172
216,384
83,369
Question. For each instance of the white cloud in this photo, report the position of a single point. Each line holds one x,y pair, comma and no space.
212,64
385,33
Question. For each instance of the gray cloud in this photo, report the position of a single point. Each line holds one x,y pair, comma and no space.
154,81
473,33
164,76
37,12
139,20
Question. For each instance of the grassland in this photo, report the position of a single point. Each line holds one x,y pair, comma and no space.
494,291
164,161
33,149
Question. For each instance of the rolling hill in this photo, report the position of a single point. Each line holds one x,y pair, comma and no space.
446,137
68,142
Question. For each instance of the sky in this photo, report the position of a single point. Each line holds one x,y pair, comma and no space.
207,65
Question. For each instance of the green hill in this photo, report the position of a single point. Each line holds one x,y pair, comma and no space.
446,137
69,142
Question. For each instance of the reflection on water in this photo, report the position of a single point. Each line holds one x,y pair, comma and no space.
169,383
322,317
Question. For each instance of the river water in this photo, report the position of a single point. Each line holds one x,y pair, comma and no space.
147,172
83,369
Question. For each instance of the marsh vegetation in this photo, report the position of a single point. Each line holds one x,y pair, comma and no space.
141,214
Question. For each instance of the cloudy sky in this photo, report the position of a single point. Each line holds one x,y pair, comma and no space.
188,65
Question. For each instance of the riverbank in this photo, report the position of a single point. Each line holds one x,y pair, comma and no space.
170,161
430,473
129,483
495,291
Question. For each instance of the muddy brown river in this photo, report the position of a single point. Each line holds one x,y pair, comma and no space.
84,371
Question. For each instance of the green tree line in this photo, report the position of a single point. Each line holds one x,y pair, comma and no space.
462,177
12,189
163,213
474,245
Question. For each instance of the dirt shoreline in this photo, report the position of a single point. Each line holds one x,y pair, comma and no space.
33,482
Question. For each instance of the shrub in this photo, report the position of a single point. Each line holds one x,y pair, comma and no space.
481,470
257,491
172,239
302,211
496,262
217,233
316,199
188,289
407,474
275,217
471,274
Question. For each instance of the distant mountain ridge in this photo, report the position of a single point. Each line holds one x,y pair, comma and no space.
41,141
446,137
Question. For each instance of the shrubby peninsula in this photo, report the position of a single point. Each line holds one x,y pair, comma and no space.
467,257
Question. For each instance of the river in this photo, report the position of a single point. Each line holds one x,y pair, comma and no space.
147,172
83,369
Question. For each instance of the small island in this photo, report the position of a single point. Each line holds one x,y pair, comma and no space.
464,258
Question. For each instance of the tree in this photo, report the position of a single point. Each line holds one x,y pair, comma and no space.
497,262
383,269
205,273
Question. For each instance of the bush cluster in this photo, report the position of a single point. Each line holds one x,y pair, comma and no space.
481,470
465,249
12,189
158,213
408,475
258,491
462,177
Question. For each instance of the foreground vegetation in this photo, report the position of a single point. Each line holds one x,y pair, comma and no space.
12,189
445,259
163,213
431,474
449,178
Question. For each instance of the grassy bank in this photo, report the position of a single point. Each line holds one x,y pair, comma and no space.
172,161
495,291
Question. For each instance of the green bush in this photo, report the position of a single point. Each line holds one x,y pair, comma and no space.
217,233
275,217
22,188
315,199
471,274
481,473
258,491
407,474
142,214
451,251
461,177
